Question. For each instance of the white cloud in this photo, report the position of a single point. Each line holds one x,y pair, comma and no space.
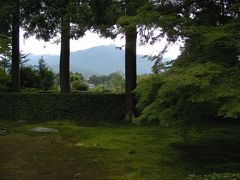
39,47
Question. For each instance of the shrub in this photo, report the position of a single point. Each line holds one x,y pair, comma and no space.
202,84
5,81
190,95
53,106
80,86
98,88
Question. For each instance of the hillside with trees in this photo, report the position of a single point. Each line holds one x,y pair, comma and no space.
98,60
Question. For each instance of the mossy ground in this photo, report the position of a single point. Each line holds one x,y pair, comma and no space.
114,151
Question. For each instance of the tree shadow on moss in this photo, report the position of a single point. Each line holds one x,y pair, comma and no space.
216,152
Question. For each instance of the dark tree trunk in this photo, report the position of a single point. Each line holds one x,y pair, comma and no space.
15,51
130,62
222,8
130,72
65,56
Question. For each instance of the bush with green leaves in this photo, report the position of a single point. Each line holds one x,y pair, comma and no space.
29,77
45,75
98,88
5,81
114,82
39,77
190,94
75,76
79,86
202,84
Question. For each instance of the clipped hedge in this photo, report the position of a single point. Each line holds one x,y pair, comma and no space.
53,106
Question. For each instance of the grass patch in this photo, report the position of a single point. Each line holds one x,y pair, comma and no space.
114,151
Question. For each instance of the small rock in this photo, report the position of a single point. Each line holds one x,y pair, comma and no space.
3,131
43,129
21,121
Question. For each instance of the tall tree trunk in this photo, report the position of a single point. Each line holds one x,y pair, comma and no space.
130,72
65,56
15,50
222,8
130,62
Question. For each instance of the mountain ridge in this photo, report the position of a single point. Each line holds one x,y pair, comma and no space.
98,60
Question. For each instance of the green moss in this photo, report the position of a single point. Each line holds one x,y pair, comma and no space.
114,151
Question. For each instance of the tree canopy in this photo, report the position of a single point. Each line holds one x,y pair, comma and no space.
203,82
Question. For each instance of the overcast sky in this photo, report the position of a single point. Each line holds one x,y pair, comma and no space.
31,45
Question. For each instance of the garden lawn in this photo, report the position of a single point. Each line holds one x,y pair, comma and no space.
115,151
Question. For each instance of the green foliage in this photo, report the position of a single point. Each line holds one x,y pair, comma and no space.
215,176
94,79
190,95
44,18
45,75
5,16
79,86
114,82
29,77
4,46
40,77
212,44
147,90
202,84
45,106
76,77
77,82
5,63
98,88
5,81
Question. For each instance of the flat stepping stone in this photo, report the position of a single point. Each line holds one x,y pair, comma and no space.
3,131
21,121
43,130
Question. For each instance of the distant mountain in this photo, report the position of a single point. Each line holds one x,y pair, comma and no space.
98,60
